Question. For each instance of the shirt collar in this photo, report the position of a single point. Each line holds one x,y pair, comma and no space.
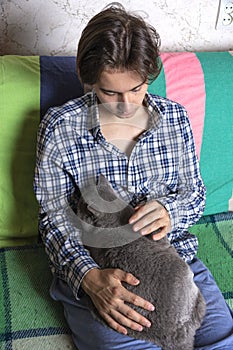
155,113
92,120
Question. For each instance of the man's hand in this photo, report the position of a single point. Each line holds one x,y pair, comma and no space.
109,296
151,217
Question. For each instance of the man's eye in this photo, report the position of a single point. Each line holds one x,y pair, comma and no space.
137,89
109,93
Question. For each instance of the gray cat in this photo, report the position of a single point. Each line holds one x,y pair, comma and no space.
165,279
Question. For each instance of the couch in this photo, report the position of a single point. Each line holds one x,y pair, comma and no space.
29,85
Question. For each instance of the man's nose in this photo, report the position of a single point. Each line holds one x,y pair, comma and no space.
124,98
124,102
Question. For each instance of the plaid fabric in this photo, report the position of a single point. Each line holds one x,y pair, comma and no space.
215,235
31,320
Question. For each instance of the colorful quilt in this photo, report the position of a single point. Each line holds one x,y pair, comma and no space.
30,320
29,85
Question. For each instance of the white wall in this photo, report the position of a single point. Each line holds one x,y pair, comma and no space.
53,27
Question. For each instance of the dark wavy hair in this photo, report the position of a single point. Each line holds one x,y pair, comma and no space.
116,39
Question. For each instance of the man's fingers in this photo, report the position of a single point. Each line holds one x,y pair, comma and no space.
126,277
127,318
151,217
127,296
143,210
146,223
162,233
158,227
136,300
123,317
114,301
113,324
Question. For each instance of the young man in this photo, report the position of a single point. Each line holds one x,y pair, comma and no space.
144,145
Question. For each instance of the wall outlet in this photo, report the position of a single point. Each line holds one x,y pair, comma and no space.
225,14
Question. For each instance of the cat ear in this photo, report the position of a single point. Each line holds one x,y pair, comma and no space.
104,185
103,181
108,201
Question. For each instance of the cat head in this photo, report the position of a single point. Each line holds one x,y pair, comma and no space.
103,217
100,206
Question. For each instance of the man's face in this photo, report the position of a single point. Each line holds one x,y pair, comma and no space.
120,92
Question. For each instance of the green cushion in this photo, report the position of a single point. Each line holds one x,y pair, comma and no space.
19,110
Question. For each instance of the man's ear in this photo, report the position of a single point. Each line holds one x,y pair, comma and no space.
87,88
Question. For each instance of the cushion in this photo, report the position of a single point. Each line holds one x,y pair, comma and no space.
202,82
29,85
19,110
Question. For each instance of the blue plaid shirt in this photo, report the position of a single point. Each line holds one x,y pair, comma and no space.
163,165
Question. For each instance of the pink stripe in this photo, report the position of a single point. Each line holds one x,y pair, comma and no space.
185,84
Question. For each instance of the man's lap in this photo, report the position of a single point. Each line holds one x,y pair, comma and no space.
216,332
217,327
89,334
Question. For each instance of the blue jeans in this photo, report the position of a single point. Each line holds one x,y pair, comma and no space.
216,332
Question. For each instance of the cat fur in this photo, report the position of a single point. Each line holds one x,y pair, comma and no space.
165,279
